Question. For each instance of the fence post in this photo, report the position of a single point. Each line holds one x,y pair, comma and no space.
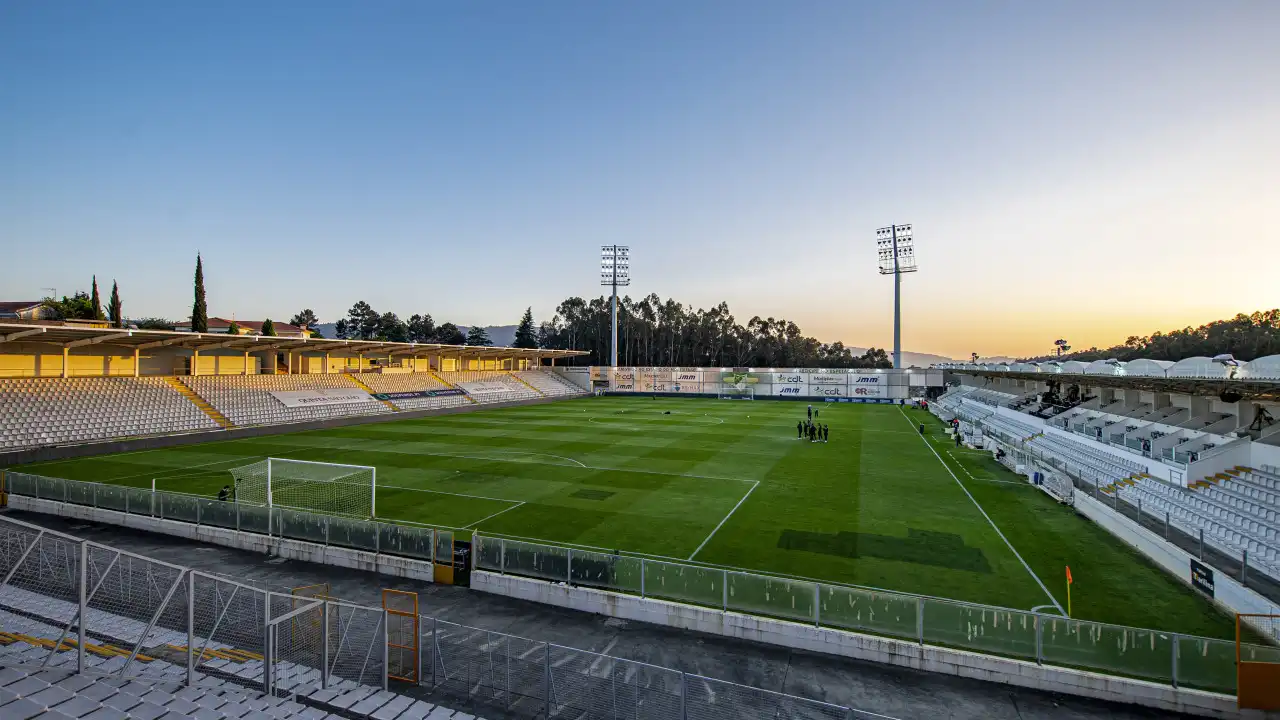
724,591
1244,564
546,675
568,568
84,603
1166,526
324,642
817,605
191,628
502,549
1139,512
266,642
386,639
1039,639
435,651
920,620
1174,673
1201,553
197,513
641,577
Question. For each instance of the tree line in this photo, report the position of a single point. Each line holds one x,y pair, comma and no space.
1247,337
657,332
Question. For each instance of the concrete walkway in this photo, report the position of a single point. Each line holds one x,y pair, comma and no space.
889,691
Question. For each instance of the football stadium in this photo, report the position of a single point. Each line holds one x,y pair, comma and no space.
968,488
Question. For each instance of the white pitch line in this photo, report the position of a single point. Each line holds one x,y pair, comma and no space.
474,524
985,515
724,519
442,492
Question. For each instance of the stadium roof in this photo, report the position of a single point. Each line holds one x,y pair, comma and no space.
1248,388
72,337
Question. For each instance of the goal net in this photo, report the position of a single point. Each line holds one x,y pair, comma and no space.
730,391
328,488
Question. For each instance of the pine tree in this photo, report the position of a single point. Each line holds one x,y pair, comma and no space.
233,328
268,328
115,311
95,301
199,311
477,335
526,336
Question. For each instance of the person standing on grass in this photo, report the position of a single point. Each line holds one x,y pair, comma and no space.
225,493
799,430
826,433
810,412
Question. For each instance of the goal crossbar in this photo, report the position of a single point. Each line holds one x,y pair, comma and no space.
333,488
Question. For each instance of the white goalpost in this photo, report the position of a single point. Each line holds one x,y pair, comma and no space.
330,488
734,392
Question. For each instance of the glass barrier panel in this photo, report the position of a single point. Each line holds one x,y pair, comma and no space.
684,583
1115,649
488,552
405,540
80,493
352,533
538,561
868,611
300,526
51,488
606,570
254,518
140,501
1209,664
113,497
760,595
21,484
176,507
218,513
975,627
444,548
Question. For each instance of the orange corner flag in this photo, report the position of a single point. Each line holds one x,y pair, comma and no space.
1068,574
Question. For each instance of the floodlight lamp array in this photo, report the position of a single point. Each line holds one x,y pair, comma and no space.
886,239
615,265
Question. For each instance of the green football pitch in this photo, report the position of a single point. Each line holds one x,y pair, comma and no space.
725,483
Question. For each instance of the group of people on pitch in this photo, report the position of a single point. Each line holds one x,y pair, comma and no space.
817,432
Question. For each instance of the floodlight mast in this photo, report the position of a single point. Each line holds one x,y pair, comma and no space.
615,271
897,256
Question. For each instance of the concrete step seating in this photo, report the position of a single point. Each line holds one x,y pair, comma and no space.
1010,427
514,389
54,411
1099,464
27,691
549,383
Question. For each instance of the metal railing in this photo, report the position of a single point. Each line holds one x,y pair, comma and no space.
100,609
367,535
1165,657
146,618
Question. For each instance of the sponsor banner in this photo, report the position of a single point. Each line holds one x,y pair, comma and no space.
867,391
321,397
686,376
411,394
787,378
1202,577
742,380
484,387
787,390
828,391
820,379
686,387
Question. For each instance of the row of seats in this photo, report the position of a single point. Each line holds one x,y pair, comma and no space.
38,412
1228,531
247,399
58,411
413,382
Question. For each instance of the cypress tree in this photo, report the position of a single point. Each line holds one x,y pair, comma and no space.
115,311
268,328
199,311
525,336
95,302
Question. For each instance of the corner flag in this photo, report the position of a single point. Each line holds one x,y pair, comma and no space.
1068,591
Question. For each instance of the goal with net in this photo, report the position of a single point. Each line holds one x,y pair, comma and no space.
330,488
733,392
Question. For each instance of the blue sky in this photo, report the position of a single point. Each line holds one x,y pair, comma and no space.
1087,169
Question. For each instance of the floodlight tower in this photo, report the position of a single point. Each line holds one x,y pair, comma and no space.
615,271
897,256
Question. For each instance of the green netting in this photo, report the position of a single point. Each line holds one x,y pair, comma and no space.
759,595
879,613
687,583
1114,649
974,627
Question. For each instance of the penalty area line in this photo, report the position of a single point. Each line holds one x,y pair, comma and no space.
473,525
976,504
724,520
